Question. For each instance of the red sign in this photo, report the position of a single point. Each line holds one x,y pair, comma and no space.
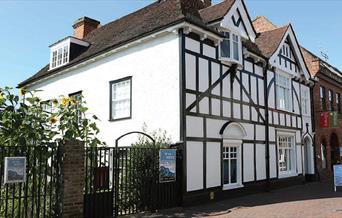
324,120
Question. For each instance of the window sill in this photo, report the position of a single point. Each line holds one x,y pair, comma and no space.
120,119
231,61
229,187
287,175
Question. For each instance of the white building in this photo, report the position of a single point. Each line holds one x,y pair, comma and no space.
239,99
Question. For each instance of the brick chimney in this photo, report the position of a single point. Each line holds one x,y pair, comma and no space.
83,26
262,24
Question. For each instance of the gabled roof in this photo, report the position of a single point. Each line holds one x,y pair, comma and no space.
269,41
216,12
152,18
311,57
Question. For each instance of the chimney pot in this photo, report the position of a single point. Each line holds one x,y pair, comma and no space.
83,26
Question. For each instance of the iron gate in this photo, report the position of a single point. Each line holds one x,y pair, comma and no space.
39,195
125,180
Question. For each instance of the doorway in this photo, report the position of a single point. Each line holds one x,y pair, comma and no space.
334,150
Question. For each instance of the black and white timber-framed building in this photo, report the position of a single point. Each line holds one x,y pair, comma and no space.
238,99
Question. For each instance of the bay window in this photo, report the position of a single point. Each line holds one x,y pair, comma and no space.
286,153
231,165
283,85
230,47
120,98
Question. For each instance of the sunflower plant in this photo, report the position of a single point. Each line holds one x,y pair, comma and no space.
24,120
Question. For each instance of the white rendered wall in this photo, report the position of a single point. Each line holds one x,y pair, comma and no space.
154,67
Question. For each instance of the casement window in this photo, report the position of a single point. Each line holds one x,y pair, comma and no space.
77,96
305,102
338,102
286,155
230,47
322,98
59,56
283,84
331,100
231,165
121,99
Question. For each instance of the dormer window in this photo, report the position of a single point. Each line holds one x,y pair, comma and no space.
60,56
65,51
230,48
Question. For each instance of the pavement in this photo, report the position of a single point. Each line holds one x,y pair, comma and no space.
311,200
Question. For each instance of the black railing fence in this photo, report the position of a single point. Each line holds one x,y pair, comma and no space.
39,195
125,180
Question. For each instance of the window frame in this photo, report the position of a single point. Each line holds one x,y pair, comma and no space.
64,55
233,144
232,43
293,156
331,99
288,105
338,102
111,83
79,94
322,98
305,96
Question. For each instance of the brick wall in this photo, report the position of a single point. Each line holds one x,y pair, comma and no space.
73,179
323,135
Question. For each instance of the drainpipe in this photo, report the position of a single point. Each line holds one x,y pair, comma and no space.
267,137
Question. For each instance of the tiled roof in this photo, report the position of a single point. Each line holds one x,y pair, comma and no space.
216,12
153,17
269,41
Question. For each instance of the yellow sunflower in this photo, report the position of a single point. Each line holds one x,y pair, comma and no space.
53,120
65,101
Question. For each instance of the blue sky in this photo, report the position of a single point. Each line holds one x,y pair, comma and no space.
29,27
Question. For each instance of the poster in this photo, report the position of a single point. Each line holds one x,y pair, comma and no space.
15,169
333,119
337,176
167,165
328,119
323,120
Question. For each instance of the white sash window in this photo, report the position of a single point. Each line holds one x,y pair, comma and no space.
283,92
305,102
121,99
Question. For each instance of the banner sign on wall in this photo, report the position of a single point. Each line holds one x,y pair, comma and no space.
333,119
337,175
167,165
323,120
329,119
15,169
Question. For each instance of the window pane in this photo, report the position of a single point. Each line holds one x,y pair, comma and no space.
236,47
233,170
226,171
225,48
